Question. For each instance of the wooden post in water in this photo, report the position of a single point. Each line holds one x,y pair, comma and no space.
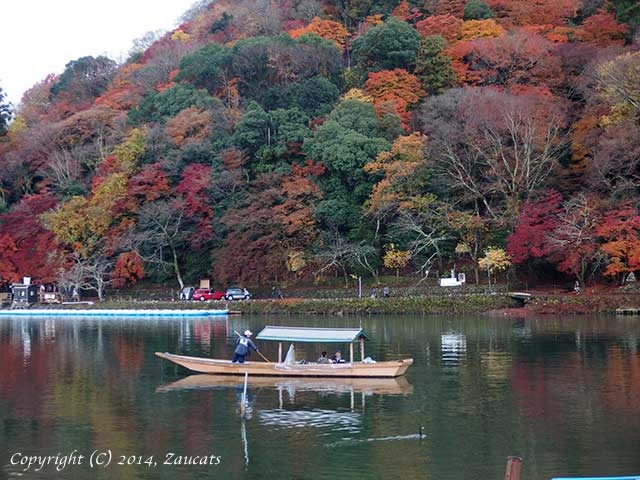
243,407
514,465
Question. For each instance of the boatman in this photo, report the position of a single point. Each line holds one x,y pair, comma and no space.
243,346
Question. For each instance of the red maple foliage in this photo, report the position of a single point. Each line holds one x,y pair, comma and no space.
150,184
530,237
520,57
26,247
602,29
194,187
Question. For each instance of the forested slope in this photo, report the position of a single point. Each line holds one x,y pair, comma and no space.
267,141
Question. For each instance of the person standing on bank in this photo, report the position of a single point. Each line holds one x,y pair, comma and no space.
243,347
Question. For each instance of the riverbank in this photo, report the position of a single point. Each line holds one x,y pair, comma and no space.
453,304
589,303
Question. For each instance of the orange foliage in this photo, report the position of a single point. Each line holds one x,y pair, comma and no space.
397,86
553,33
481,29
120,95
169,83
374,20
620,228
327,29
35,105
296,212
230,94
520,57
399,166
404,12
191,124
534,12
602,29
582,138
128,269
446,7
540,91
447,26
457,53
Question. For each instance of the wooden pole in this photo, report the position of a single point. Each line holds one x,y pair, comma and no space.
362,349
351,352
279,352
514,465
243,407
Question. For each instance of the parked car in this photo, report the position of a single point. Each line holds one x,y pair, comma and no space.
202,294
187,293
237,294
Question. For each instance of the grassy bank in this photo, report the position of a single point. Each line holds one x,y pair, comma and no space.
369,306
583,304
455,304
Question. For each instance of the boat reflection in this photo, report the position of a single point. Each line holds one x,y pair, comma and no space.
365,386
318,418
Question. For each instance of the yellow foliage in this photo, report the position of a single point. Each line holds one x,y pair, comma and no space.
296,261
473,29
462,248
180,35
130,151
83,223
396,259
104,198
619,82
357,94
399,165
494,260
17,127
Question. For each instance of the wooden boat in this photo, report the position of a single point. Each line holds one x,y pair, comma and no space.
388,369
367,386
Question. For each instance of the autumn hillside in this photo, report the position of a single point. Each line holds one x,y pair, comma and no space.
274,141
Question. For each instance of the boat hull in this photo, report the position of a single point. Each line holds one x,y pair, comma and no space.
394,368
369,386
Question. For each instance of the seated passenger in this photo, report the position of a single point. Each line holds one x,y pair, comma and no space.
337,358
323,358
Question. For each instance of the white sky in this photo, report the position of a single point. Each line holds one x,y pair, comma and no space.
41,36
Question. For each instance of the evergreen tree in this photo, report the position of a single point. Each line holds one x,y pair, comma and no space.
477,10
390,45
432,67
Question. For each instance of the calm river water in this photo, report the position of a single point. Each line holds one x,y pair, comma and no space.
562,393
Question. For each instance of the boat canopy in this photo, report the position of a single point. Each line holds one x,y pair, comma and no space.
311,334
